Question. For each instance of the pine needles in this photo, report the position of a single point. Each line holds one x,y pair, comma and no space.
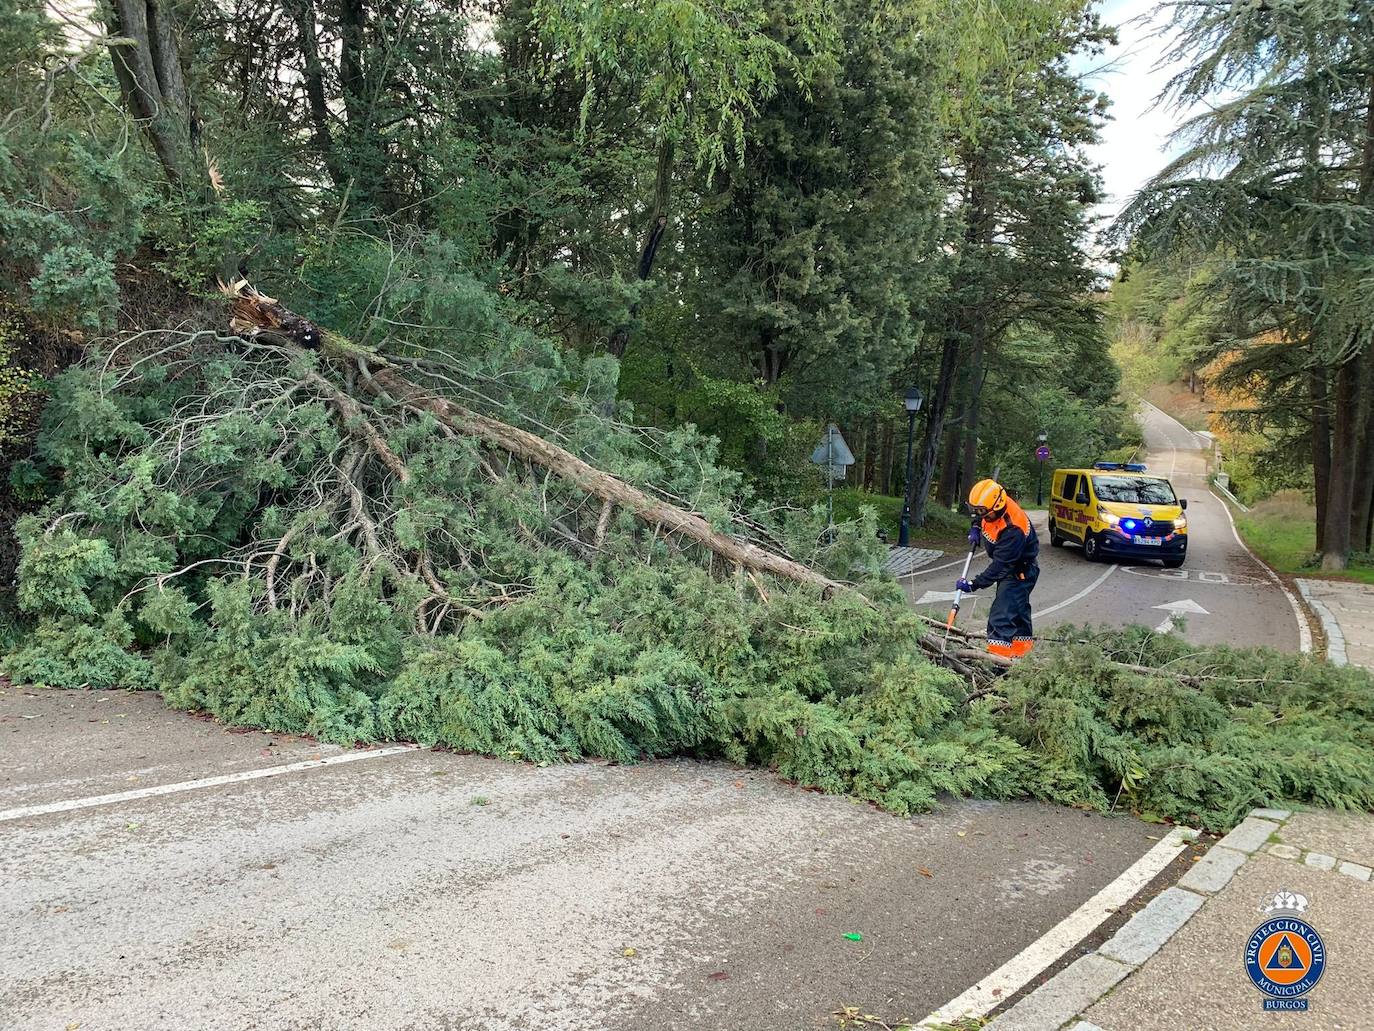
230,533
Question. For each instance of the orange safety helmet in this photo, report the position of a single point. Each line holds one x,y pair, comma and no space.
987,496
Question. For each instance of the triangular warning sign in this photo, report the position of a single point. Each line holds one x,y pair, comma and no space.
1285,957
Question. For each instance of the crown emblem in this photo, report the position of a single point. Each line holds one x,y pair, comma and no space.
1284,903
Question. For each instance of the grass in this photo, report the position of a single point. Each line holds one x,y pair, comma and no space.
1282,531
942,529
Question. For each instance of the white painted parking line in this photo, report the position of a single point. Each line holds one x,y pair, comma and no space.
68,805
1021,969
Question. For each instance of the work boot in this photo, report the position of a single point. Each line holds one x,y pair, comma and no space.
1002,648
1021,647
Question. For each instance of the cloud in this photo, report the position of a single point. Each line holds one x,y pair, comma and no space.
1135,142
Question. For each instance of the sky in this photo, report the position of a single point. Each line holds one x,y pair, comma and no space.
1135,141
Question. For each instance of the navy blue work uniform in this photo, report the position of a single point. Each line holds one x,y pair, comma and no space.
1011,543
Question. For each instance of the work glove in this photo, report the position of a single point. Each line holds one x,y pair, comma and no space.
975,534
964,586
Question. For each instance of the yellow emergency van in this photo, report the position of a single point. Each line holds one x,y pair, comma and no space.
1118,510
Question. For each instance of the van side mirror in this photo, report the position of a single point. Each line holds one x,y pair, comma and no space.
1183,503
1082,497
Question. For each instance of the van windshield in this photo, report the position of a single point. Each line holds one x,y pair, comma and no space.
1134,490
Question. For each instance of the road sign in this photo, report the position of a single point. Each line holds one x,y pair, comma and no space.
834,457
1042,453
833,453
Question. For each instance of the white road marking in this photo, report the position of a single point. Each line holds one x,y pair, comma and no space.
1304,631
1167,627
1080,595
1021,969
71,804
1186,605
933,596
929,569
1206,577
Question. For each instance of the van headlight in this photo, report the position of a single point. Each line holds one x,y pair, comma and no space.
1181,523
1109,518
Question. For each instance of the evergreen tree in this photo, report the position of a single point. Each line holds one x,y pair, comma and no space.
1277,185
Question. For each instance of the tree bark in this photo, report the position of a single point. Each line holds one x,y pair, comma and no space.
1362,506
935,424
870,452
889,445
254,315
969,468
653,237
603,485
1321,447
313,68
147,64
948,491
1340,496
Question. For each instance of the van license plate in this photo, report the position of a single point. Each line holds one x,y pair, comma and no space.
1156,541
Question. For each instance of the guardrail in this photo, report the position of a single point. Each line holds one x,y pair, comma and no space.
1233,499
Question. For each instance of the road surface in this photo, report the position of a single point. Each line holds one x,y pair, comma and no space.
1242,603
427,890
411,889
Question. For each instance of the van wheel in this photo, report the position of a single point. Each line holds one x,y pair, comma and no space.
1056,541
1092,547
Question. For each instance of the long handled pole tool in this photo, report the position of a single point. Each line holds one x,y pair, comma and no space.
958,598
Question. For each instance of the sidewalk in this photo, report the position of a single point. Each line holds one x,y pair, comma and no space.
1179,962
1347,614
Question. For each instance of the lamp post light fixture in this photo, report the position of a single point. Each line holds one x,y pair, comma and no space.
911,401
1042,455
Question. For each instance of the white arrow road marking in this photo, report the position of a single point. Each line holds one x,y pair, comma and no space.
930,597
1175,608
1186,605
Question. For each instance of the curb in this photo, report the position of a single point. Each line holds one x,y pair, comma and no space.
1335,638
1059,1002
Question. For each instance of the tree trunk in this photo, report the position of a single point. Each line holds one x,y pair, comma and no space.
870,452
653,237
948,492
306,18
935,424
887,454
976,376
1340,496
1362,506
1321,447
253,315
147,64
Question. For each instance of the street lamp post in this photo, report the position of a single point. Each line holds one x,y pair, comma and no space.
911,401
1041,456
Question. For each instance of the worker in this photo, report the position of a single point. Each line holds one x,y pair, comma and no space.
1004,529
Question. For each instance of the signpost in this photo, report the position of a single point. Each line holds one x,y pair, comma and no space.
834,454
1042,455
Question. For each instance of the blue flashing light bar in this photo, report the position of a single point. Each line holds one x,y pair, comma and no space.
1130,467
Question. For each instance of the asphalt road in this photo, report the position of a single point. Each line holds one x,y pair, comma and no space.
1243,604
428,890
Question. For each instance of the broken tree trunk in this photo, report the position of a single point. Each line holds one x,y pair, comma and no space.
256,315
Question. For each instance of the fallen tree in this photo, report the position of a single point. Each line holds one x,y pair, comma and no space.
427,539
